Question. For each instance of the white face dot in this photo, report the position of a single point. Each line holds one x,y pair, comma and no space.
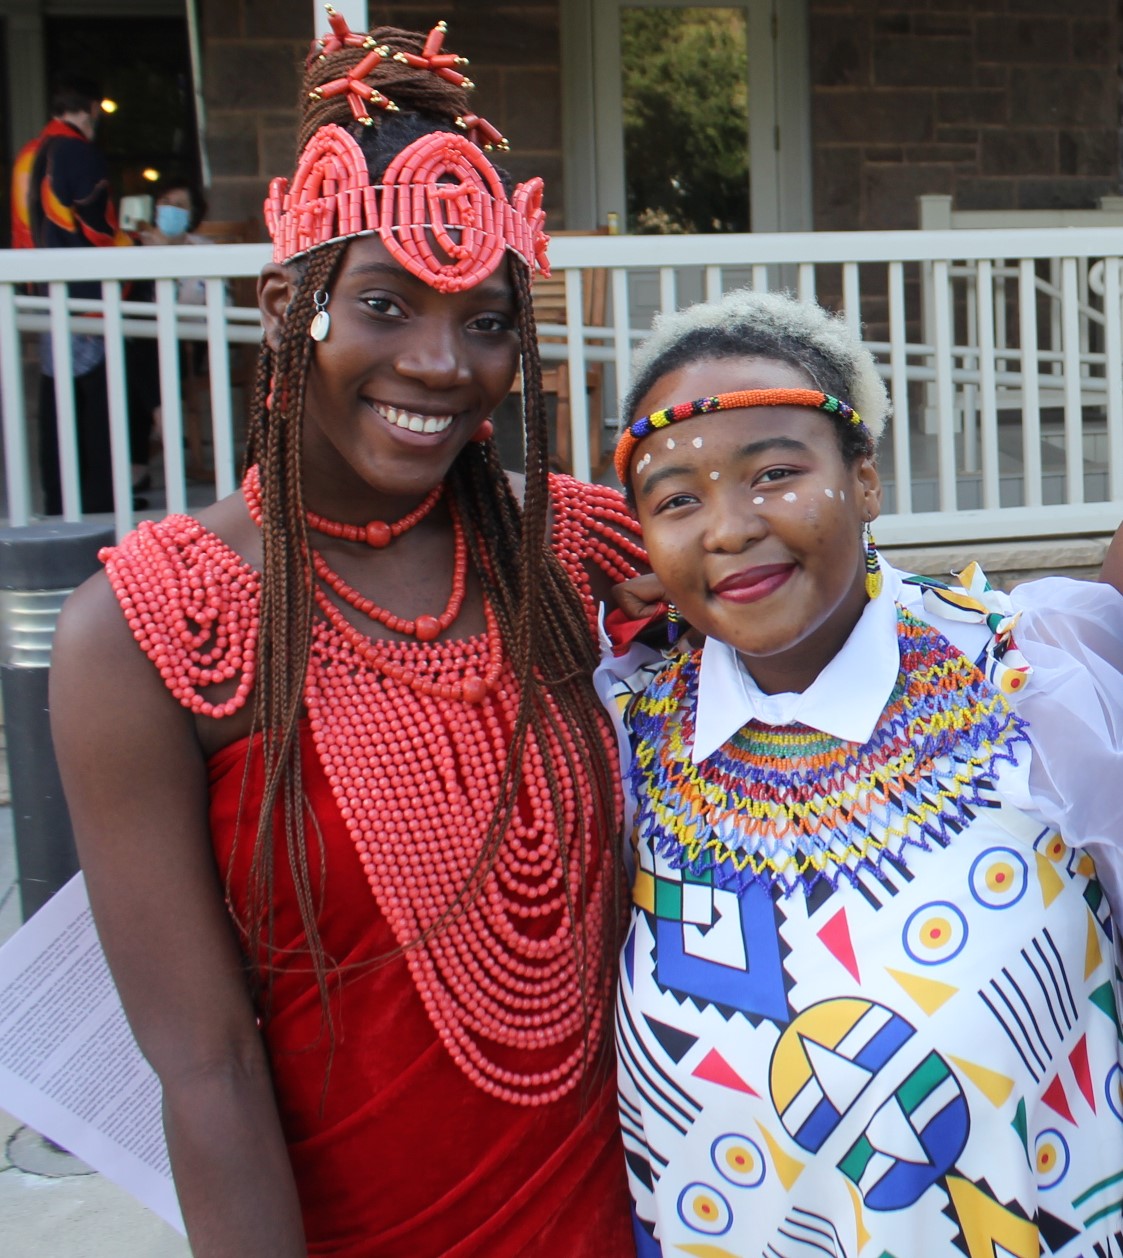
758,502
829,492
670,443
714,475
697,443
641,466
789,497
842,494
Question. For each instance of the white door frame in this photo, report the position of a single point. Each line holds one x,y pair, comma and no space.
779,109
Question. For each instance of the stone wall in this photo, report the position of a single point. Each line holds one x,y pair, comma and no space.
253,51
1003,104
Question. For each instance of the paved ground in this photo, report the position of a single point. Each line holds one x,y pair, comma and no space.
51,1204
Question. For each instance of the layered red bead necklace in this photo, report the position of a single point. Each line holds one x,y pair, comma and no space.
472,688
412,735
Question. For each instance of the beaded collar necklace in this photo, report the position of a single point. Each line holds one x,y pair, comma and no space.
788,806
417,773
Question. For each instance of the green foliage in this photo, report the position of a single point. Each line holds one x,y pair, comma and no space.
686,119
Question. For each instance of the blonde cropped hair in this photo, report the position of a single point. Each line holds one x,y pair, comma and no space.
747,323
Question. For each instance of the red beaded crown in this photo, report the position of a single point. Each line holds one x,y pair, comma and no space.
441,209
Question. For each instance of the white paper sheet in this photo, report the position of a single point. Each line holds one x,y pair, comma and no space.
69,1066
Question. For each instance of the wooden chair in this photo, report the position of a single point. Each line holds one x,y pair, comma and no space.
550,307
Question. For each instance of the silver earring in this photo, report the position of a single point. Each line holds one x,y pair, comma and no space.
321,320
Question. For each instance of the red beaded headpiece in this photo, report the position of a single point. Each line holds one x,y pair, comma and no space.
441,209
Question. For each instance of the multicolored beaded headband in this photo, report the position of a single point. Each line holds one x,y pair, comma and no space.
441,209
647,424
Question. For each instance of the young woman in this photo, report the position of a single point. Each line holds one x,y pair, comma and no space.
868,997
339,780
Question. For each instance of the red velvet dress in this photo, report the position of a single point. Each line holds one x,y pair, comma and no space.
396,1150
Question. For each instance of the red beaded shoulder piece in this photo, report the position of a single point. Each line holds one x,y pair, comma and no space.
593,525
192,605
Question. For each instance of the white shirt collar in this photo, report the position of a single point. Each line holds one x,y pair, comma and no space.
846,699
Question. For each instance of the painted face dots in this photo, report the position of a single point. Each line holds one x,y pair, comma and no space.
758,501
829,492
714,475
697,443
642,465
789,497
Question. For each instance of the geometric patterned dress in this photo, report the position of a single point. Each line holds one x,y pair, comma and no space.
867,1006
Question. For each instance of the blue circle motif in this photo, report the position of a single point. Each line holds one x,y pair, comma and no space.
695,1201
930,917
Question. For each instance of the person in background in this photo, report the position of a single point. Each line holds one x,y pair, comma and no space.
344,796
868,1000
61,200
178,209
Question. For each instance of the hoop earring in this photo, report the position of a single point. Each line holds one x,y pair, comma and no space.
483,432
873,568
320,326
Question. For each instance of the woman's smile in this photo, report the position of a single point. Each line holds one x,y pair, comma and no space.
411,421
753,584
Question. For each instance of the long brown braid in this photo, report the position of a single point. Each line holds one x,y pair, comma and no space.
538,611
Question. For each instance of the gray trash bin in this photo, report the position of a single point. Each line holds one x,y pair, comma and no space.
39,565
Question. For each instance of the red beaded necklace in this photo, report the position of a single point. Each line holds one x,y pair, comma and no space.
377,533
416,772
472,688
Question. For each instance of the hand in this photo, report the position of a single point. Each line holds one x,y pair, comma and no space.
640,597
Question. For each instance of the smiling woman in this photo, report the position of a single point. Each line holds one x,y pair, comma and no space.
867,996
342,791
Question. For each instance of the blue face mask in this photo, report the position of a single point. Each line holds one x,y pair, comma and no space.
172,220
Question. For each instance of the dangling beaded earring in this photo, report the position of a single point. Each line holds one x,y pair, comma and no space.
873,568
320,326
675,624
483,432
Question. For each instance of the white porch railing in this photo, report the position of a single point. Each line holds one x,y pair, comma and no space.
1003,352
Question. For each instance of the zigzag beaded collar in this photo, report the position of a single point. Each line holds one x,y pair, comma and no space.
789,805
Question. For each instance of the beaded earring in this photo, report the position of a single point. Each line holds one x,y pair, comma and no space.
873,568
483,432
320,326
675,624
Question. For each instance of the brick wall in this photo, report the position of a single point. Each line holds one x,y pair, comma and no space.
1003,104
253,51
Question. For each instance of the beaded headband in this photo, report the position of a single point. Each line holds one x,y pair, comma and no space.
441,209
647,424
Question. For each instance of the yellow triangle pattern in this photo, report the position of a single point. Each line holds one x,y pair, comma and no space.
995,1087
928,993
706,1251
787,1168
1051,884
859,1225
984,1223
1092,953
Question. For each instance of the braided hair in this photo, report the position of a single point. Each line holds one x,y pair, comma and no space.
538,611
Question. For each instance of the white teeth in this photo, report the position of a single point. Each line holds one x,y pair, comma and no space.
415,423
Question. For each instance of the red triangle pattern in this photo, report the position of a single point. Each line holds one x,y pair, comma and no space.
1078,1060
1054,1097
714,1068
836,937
